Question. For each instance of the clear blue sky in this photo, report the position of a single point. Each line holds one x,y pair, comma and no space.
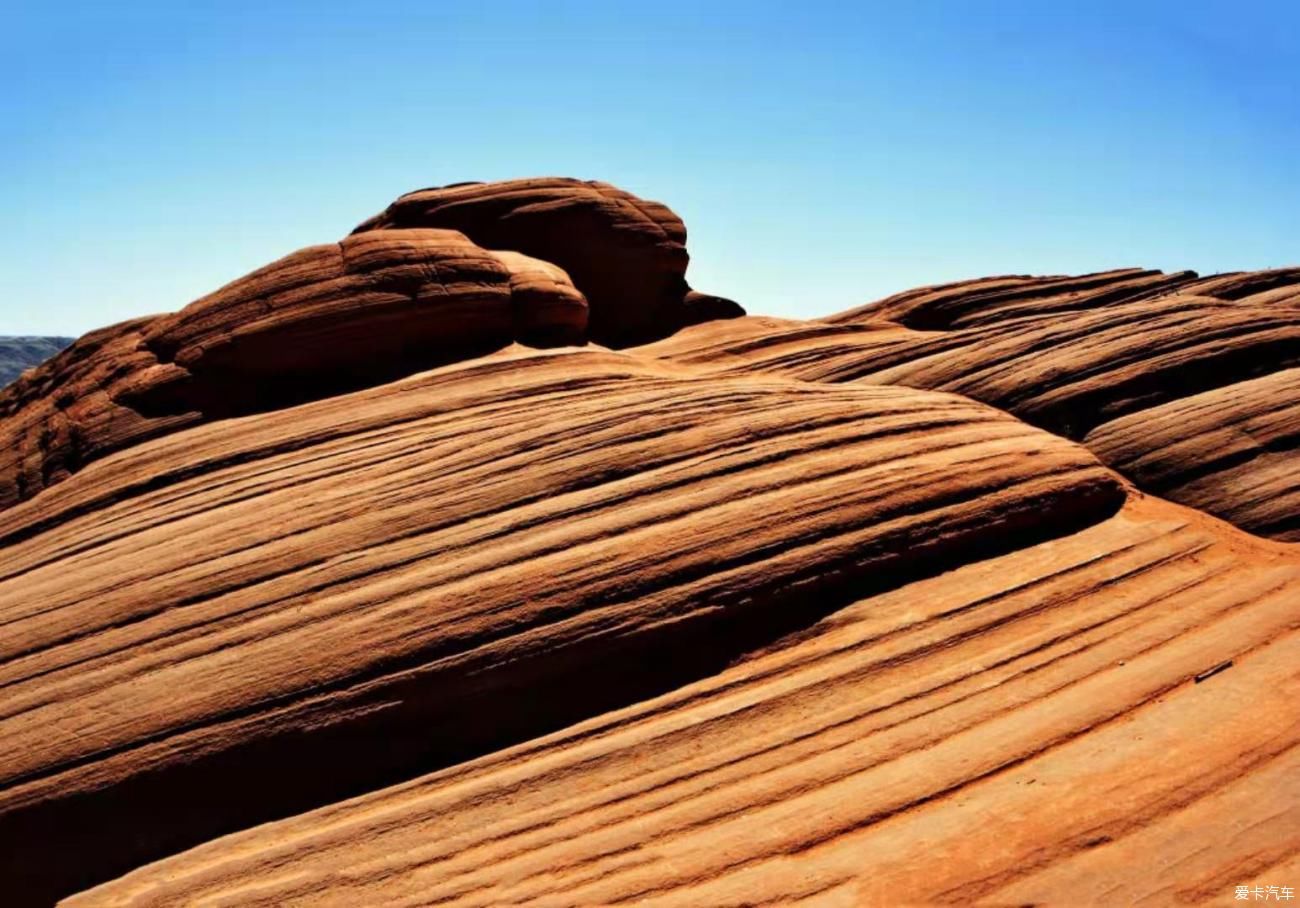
821,154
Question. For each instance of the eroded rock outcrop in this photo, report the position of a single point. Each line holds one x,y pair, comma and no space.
324,320
374,307
332,589
1190,395
626,254
407,291
63,414
396,564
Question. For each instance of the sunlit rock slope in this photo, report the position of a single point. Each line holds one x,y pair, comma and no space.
378,578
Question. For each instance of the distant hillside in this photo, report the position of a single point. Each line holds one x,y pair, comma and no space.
19,353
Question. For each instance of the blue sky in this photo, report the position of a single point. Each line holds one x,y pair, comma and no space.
821,154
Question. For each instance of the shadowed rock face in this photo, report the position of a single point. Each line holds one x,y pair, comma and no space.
332,588
628,255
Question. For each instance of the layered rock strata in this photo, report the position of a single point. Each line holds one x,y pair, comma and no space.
374,577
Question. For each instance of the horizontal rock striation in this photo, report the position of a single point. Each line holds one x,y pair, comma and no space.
324,320
1023,730
416,553
1231,451
1093,358
965,304
336,588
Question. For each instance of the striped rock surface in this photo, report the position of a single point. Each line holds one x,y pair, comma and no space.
1022,730
889,608
1192,396
324,319
368,581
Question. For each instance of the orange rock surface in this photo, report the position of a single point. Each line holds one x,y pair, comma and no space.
333,588
1192,396
627,254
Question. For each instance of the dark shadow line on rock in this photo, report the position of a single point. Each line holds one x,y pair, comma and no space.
403,729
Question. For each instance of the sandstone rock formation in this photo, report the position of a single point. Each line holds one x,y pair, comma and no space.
1192,396
64,413
628,255
1023,730
338,587
325,319
407,291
